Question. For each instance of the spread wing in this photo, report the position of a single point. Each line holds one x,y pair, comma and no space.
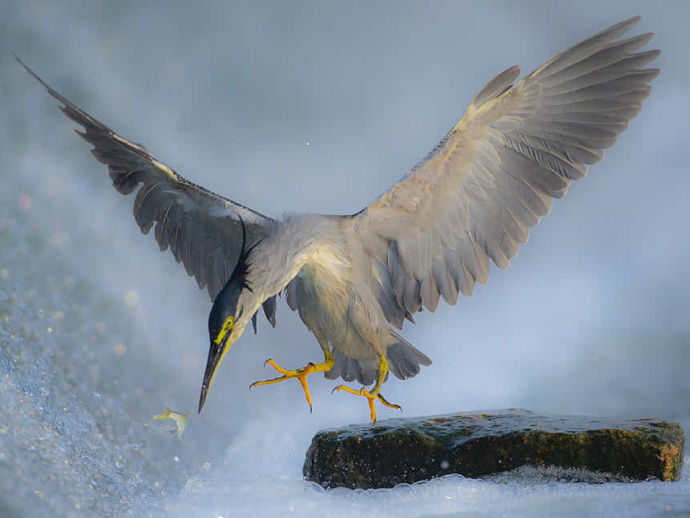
492,178
203,231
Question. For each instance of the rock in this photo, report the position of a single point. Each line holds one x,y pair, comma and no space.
483,444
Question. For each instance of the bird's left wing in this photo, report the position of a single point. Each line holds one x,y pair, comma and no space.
476,195
203,231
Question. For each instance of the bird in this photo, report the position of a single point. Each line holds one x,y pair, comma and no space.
354,279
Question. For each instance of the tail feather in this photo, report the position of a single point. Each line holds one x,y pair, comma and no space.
404,361
404,358
363,370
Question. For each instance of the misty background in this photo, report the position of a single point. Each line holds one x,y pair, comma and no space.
312,107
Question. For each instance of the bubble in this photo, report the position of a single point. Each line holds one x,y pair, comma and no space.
131,298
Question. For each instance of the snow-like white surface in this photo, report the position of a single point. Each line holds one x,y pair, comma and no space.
99,331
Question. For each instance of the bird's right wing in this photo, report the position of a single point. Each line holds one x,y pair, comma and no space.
203,231
476,195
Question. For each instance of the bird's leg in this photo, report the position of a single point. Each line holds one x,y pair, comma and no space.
300,374
374,393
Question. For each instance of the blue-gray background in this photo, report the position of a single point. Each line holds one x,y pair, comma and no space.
319,107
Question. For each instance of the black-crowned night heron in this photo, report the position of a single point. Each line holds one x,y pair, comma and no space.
355,278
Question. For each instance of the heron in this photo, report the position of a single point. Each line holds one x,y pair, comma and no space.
354,279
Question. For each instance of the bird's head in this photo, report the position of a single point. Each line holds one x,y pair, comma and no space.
232,310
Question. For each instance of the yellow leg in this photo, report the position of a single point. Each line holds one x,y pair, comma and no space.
374,393
300,374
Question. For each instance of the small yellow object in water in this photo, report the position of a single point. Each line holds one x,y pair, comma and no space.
180,420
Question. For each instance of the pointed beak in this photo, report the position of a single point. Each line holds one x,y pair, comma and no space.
215,355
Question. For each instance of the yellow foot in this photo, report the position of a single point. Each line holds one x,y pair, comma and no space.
300,374
371,396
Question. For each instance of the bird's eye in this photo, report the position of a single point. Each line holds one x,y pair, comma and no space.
227,327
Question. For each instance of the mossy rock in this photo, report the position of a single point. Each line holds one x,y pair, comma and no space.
485,443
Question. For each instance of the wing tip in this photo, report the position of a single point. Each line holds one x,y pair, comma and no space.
31,72
45,85
626,25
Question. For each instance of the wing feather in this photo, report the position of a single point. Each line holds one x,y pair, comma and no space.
494,176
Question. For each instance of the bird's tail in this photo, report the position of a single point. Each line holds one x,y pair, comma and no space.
404,358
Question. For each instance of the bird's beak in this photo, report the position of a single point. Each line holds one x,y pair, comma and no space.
216,353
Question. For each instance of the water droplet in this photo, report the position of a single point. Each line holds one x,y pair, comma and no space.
24,202
131,298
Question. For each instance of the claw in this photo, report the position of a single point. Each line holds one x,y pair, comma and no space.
371,397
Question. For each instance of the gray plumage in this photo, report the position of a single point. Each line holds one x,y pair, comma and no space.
354,279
